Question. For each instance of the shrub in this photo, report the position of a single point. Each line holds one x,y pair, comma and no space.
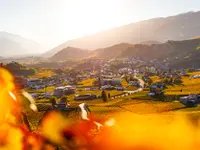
104,96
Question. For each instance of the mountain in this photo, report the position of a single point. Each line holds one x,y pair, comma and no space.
169,49
110,52
150,42
184,53
181,53
15,45
1,58
70,53
177,53
179,27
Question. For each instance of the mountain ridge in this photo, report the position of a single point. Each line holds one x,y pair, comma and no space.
16,45
179,27
70,53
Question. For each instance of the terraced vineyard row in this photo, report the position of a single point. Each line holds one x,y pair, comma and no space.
34,118
43,107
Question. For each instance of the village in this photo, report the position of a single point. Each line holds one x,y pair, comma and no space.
100,80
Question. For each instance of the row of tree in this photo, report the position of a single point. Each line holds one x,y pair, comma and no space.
18,69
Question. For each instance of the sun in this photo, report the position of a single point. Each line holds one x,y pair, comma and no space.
91,16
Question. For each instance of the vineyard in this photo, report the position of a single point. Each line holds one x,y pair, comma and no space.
117,106
138,103
34,118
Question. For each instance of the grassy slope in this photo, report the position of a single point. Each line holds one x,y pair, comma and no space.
47,89
188,86
88,82
43,74
124,83
155,79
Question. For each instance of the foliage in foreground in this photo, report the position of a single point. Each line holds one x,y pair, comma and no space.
124,131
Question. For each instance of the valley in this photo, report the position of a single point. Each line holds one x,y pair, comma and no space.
136,86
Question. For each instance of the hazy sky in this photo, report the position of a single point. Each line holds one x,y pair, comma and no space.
51,22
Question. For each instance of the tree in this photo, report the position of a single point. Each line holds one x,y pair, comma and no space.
73,73
177,81
171,80
97,82
63,99
150,82
19,70
59,71
109,95
53,101
131,78
104,96
127,78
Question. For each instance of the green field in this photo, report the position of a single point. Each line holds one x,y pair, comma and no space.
155,79
188,86
43,73
88,82
47,89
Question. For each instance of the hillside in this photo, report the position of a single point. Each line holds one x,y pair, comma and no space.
116,50
169,49
179,27
70,53
14,45
150,42
179,53
110,52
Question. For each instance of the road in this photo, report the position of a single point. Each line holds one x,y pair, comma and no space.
139,89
